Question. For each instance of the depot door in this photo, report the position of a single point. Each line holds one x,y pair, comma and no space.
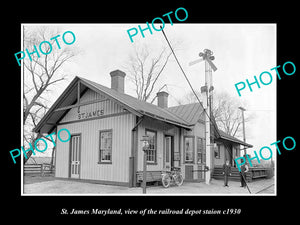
168,151
75,156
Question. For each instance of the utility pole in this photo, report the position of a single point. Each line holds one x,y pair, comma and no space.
207,122
207,56
244,134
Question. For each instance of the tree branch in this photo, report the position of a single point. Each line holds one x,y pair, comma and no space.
40,75
156,78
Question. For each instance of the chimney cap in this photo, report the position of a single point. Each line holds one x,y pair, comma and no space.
161,93
117,73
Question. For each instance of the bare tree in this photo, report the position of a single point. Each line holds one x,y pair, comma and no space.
144,70
40,74
227,115
225,111
189,98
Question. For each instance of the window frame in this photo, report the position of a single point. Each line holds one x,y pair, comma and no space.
100,161
218,151
193,148
203,152
155,151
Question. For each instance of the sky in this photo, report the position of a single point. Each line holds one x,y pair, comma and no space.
241,52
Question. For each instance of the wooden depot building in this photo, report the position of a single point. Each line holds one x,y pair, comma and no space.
107,127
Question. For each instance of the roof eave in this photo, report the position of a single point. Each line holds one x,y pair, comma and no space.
237,142
187,126
45,118
43,121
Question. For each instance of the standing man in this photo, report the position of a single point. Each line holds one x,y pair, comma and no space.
226,172
244,170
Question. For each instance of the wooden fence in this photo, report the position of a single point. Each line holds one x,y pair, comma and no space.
44,169
253,173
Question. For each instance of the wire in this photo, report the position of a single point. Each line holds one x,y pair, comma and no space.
211,122
189,81
181,67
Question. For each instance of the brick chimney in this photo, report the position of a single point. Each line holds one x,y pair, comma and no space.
117,80
162,99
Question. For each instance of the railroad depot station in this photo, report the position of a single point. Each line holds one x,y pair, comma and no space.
107,127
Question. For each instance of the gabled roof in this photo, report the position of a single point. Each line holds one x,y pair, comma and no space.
192,112
184,116
140,106
133,105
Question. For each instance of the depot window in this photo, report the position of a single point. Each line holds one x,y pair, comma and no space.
106,146
189,149
152,151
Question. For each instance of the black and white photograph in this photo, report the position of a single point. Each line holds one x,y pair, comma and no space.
150,111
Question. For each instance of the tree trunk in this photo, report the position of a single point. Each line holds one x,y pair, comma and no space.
29,153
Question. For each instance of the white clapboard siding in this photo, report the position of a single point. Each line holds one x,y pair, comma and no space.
89,130
90,168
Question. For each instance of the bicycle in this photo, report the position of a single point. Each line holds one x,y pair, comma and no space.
174,176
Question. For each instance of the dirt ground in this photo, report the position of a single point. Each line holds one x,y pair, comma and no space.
36,179
51,185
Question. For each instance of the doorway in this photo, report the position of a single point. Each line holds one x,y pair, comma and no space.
168,152
75,156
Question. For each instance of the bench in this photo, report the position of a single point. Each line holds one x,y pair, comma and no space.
151,176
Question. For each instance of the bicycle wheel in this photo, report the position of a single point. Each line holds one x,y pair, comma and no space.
178,179
166,180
